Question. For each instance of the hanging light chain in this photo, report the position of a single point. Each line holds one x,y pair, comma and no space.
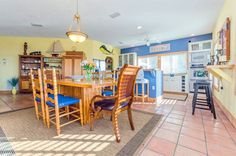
77,7
77,16
75,34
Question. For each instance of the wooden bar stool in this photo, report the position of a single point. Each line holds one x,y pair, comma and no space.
143,83
204,103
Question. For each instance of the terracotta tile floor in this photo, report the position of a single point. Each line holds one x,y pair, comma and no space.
178,133
10,102
181,134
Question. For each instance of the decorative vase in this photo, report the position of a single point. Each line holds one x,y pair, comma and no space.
88,74
13,91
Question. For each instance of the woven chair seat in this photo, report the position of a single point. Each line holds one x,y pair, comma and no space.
49,95
63,101
108,104
107,93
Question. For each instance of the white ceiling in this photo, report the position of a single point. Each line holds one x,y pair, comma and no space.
161,19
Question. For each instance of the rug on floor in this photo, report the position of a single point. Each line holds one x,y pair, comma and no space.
28,136
5,146
179,97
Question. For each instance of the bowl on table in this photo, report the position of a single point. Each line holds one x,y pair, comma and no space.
77,78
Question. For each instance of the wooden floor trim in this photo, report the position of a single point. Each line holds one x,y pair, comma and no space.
231,118
5,91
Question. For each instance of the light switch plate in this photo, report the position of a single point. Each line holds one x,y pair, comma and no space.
3,61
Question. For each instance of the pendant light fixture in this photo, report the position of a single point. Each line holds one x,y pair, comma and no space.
74,32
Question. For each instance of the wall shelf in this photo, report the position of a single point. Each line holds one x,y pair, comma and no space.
218,71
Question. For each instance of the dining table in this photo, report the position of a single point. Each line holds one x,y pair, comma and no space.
84,90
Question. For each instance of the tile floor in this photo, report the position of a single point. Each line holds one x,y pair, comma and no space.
10,102
178,133
181,134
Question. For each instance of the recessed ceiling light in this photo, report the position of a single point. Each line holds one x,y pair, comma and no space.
139,27
115,15
36,25
192,34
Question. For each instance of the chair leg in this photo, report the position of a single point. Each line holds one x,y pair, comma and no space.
213,109
91,121
47,116
212,104
130,118
115,127
57,115
208,96
81,114
194,99
43,113
143,93
111,118
67,110
36,110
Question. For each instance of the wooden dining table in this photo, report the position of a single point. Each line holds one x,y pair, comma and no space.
83,90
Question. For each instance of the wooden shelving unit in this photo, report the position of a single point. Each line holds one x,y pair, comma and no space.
27,62
52,62
218,71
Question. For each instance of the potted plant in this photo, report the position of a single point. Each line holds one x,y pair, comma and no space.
13,81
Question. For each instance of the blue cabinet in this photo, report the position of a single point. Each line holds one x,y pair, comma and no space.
155,78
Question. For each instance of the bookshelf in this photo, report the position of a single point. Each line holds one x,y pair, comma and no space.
67,65
27,62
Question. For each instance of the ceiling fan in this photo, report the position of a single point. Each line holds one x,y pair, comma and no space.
149,41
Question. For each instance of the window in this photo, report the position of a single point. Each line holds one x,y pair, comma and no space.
174,64
100,64
148,62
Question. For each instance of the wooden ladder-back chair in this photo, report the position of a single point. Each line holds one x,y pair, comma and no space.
120,102
37,87
109,91
48,73
63,105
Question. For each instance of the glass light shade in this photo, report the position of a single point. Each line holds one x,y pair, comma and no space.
74,32
77,36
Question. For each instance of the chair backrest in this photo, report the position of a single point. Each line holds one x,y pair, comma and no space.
37,85
50,86
108,75
49,75
126,82
105,75
96,75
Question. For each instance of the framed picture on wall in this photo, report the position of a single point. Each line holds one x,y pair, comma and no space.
224,41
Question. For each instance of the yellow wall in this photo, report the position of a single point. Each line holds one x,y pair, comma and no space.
11,47
227,96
